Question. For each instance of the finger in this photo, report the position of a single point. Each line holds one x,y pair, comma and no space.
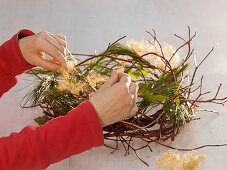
61,36
60,40
134,100
134,110
120,74
125,79
50,49
45,63
113,79
133,88
55,42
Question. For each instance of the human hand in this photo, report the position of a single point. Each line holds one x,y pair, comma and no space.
115,99
32,48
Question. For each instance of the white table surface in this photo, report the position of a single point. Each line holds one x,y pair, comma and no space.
92,24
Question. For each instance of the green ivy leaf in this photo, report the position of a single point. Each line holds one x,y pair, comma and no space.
41,120
131,74
153,98
168,108
144,72
177,101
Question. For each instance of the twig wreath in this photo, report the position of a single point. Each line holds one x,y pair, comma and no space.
164,97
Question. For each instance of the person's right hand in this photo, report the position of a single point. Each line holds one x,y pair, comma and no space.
116,99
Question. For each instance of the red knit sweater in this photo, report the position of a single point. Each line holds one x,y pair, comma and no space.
38,147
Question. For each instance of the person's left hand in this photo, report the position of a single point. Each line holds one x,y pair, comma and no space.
32,48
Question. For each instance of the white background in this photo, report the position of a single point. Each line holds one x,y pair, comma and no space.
92,24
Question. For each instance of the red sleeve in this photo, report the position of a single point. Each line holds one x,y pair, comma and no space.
12,63
37,148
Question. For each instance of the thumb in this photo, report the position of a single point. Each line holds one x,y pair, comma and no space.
113,79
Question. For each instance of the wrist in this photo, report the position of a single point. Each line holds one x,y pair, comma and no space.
98,113
23,46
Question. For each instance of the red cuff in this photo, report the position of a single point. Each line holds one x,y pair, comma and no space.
12,63
60,138
93,122
19,63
